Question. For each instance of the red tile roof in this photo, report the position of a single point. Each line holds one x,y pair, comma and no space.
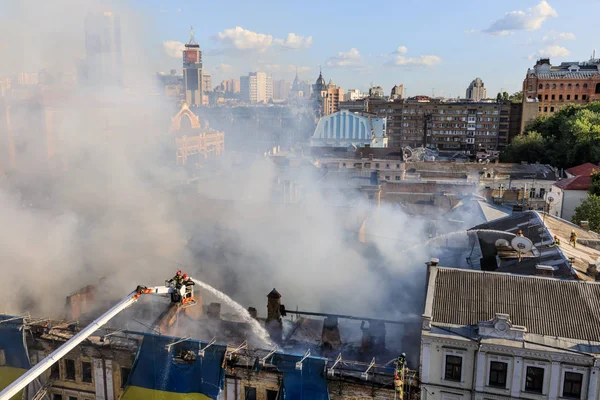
576,183
583,169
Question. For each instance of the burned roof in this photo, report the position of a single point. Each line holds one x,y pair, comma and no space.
545,306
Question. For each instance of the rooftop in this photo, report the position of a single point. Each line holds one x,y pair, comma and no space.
545,306
580,182
584,169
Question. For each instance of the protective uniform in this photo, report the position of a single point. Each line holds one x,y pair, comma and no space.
177,279
573,239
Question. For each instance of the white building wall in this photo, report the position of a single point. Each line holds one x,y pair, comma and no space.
571,200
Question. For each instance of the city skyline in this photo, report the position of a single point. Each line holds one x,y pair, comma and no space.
496,42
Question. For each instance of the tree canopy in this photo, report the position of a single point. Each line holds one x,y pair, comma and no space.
589,210
565,139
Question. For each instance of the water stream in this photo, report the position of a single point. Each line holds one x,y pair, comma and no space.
257,328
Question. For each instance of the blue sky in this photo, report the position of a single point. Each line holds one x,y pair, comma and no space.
425,45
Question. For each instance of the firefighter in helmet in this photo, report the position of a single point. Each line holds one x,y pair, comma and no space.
520,233
556,241
573,238
178,279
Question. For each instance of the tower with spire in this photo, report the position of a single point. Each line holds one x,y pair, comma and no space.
192,72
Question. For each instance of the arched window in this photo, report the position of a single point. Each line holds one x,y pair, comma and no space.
554,86
562,86
585,85
547,86
569,86
577,86
541,86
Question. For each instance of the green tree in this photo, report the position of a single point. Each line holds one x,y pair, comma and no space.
530,147
589,210
516,97
595,187
502,96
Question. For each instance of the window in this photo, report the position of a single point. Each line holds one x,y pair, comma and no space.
562,86
569,86
387,165
498,374
568,97
397,177
572,385
583,97
551,109
577,86
547,86
560,97
545,109
539,97
542,193
597,88
124,376
534,380
576,97
387,178
553,97
55,371
545,97
377,165
397,165
72,398
453,368
540,86
70,369
57,397
585,85
271,394
250,393
86,372
343,164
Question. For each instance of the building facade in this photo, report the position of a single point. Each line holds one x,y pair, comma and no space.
555,86
476,90
104,57
345,129
450,127
193,79
353,94
472,348
281,89
207,83
257,87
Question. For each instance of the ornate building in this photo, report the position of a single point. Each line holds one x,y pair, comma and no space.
327,96
195,141
555,86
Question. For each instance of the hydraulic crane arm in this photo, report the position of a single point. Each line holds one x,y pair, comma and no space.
28,377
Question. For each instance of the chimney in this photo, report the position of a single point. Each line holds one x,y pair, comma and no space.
214,311
433,262
273,324
330,336
544,270
253,313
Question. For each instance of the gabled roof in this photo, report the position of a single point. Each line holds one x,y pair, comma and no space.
581,182
545,306
584,169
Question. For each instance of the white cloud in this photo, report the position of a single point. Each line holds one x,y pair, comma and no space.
470,31
271,67
173,48
551,51
558,36
401,50
223,68
347,59
243,39
529,20
425,61
294,41
299,68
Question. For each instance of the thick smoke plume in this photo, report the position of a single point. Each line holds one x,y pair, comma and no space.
107,204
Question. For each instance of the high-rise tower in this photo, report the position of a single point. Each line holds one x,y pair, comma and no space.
104,57
192,72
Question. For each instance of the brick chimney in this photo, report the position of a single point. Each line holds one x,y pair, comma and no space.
330,336
273,324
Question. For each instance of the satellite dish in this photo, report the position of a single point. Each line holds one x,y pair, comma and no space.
521,244
502,243
551,197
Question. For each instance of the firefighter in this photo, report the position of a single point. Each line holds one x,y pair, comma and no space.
520,234
556,241
573,238
177,279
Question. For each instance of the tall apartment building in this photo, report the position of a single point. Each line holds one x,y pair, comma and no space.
476,90
206,83
232,85
353,94
257,87
554,86
327,97
451,127
193,79
281,89
104,57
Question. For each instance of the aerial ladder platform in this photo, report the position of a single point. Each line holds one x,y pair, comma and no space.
182,294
